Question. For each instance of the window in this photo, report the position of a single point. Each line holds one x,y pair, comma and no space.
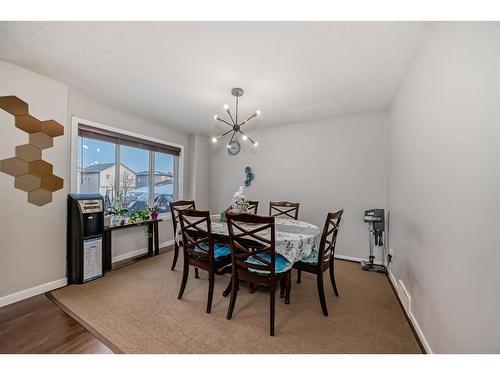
130,173
164,189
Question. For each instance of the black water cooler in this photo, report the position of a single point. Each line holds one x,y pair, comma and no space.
85,237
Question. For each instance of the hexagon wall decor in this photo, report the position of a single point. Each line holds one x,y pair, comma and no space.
31,173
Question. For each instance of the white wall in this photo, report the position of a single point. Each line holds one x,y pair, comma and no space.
324,165
128,241
444,194
32,238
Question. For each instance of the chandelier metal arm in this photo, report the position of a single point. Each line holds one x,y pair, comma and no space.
225,122
222,135
250,139
250,117
232,137
230,115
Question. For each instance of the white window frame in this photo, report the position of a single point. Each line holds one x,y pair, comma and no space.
74,154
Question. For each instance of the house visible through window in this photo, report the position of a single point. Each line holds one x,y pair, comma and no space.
130,173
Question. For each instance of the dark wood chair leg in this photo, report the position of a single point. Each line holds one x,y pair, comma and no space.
282,287
251,288
299,276
185,273
176,254
211,277
288,287
272,309
226,291
234,292
321,293
332,279
196,275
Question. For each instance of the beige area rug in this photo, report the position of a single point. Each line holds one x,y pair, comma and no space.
135,310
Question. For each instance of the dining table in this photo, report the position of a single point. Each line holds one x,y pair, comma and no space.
294,239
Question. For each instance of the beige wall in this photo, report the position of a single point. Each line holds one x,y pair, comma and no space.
444,191
32,238
199,170
324,165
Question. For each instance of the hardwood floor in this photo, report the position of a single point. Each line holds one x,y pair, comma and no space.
38,325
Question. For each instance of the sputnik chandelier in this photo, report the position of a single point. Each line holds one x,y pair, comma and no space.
234,146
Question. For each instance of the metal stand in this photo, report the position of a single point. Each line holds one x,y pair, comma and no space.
370,265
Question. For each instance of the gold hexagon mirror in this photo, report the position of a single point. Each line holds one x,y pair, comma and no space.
31,173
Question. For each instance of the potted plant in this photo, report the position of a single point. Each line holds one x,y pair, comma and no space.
141,216
153,212
117,212
239,203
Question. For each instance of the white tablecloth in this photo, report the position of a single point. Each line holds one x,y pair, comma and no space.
295,239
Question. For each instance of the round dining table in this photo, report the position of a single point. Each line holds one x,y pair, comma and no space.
295,239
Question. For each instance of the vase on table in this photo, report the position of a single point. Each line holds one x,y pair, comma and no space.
154,216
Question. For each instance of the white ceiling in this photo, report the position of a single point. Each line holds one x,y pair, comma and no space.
180,73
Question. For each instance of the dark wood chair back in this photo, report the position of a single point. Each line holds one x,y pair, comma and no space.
253,206
175,207
196,228
329,237
252,236
289,209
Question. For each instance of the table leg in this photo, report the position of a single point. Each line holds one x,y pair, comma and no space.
156,235
150,239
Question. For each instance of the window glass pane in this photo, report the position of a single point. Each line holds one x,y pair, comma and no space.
164,181
134,178
96,168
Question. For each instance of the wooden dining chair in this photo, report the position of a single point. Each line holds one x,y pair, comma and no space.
175,207
322,259
254,258
253,206
200,249
288,209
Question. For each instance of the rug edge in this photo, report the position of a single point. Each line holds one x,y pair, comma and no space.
111,345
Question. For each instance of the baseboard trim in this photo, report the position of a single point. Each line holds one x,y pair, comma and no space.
352,259
56,284
138,252
31,292
417,331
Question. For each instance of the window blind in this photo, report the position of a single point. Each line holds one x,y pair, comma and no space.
122,139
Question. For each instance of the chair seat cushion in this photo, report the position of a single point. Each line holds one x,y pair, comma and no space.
312,258
221,250
280,263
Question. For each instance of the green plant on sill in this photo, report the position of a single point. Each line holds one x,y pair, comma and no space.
117,212
140,217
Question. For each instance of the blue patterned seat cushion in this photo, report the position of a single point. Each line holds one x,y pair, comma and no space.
312,258
221,250
280,263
